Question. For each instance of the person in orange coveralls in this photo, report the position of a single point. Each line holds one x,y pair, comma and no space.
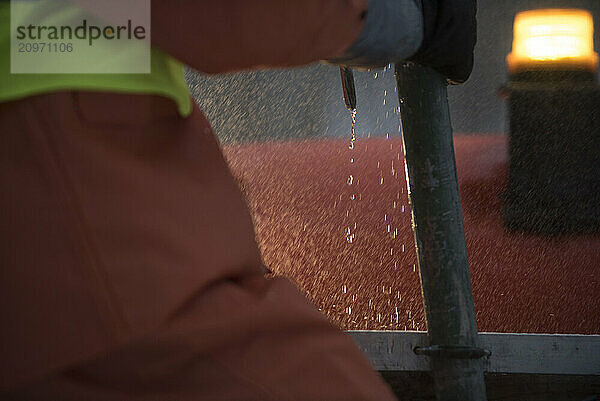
130,269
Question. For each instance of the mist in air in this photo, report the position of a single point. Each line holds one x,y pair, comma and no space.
307,102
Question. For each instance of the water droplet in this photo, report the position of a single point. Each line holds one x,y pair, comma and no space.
350,235
350,180
353,136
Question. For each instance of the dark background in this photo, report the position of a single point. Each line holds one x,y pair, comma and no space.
307,102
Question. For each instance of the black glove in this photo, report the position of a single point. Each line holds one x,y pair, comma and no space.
450,37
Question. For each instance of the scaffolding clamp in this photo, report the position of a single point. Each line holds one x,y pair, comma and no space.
453,352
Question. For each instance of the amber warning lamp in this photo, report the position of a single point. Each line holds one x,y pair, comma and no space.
554,110
553,40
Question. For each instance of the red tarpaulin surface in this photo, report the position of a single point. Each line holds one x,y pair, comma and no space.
306,195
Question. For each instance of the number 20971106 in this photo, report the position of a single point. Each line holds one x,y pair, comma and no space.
44,47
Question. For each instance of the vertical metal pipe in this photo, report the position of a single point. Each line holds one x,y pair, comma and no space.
439,233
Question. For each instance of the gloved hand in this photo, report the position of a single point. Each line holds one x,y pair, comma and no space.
436,33
450,37
393,31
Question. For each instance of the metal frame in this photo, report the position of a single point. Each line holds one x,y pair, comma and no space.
547,354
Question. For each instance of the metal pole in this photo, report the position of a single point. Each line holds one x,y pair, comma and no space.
439,234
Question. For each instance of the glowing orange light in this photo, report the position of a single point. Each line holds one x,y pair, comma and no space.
553,39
